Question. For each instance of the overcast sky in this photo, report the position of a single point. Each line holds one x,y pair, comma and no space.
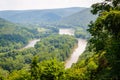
43,4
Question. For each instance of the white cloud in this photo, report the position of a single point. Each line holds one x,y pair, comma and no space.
43,4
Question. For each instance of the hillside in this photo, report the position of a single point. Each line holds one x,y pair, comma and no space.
15,36
38,16
12,36
64,17
47,59
81,18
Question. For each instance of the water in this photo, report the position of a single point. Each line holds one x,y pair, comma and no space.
32,43
61,31
66,31
78,51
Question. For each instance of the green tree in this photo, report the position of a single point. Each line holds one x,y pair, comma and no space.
105,32
22,74
34,69
51,70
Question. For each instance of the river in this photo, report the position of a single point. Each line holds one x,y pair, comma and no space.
61,31
77,52
31,43
66,31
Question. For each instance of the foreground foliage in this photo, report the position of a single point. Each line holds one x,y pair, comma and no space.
102,62
55,46
99,62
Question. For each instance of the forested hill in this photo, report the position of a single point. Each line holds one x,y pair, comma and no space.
81,18
75,16
15,36
38,16
12,36
100,61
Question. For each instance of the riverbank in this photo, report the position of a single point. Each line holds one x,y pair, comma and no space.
30,44
76,53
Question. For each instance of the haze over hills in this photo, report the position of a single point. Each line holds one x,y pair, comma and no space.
81,18
91,53
38,16
75,17
71,16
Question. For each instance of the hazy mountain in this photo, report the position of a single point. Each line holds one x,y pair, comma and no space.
76,16
81,18
38,16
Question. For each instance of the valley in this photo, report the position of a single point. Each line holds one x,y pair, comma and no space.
75,54
45,40
73,43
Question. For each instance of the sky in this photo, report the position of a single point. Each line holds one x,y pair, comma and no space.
43,4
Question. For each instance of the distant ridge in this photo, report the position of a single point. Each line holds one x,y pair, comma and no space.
38,16
81,18
74,16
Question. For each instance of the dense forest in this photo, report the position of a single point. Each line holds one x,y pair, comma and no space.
58,47
100,60
11,36
15,36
